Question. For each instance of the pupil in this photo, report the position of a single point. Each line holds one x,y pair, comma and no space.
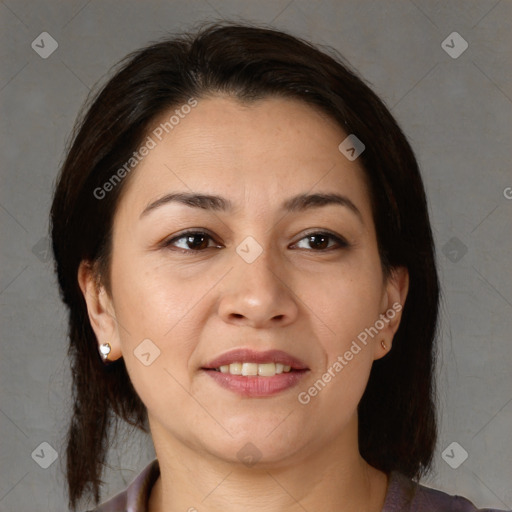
319,241
192,241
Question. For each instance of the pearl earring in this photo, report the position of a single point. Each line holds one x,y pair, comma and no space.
104,350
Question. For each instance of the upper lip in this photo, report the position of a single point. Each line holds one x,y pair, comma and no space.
245,355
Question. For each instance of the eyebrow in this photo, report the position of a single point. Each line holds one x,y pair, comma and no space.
297,203
303,202
204,201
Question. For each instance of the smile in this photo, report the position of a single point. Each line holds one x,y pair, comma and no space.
252,369
251,373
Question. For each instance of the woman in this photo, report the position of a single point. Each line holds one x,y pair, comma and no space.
242,239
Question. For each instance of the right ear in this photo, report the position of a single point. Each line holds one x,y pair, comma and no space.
100,308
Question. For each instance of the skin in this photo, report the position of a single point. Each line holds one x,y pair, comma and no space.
294,297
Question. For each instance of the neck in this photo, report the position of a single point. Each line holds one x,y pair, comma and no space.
334,478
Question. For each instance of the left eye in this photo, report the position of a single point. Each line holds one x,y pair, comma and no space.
195,241
320,241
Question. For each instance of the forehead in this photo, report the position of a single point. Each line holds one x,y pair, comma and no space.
250,153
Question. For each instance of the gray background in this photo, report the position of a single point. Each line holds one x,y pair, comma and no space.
457,114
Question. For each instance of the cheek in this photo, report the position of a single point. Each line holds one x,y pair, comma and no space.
153,310
346,298
345,305
151,299
155,314
339,382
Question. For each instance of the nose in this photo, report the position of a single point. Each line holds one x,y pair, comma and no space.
258,294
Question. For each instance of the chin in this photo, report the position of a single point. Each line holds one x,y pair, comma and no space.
255,448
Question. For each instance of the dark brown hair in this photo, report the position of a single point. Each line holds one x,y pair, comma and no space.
397,422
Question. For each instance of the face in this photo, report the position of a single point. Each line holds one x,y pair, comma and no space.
279,269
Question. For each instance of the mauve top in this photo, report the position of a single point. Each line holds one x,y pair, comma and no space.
403,495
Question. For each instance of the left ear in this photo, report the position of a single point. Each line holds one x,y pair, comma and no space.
393,301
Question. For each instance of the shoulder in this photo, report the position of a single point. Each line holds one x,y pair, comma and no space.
405,495
135,497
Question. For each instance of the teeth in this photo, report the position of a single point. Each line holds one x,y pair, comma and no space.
235,368
253,369
249,368
267,369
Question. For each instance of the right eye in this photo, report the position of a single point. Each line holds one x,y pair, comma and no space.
191,241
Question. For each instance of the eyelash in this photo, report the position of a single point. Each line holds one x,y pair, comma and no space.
341,242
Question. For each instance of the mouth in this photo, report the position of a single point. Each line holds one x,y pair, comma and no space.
248,369
256,374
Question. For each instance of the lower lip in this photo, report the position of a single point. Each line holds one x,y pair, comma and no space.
253,386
